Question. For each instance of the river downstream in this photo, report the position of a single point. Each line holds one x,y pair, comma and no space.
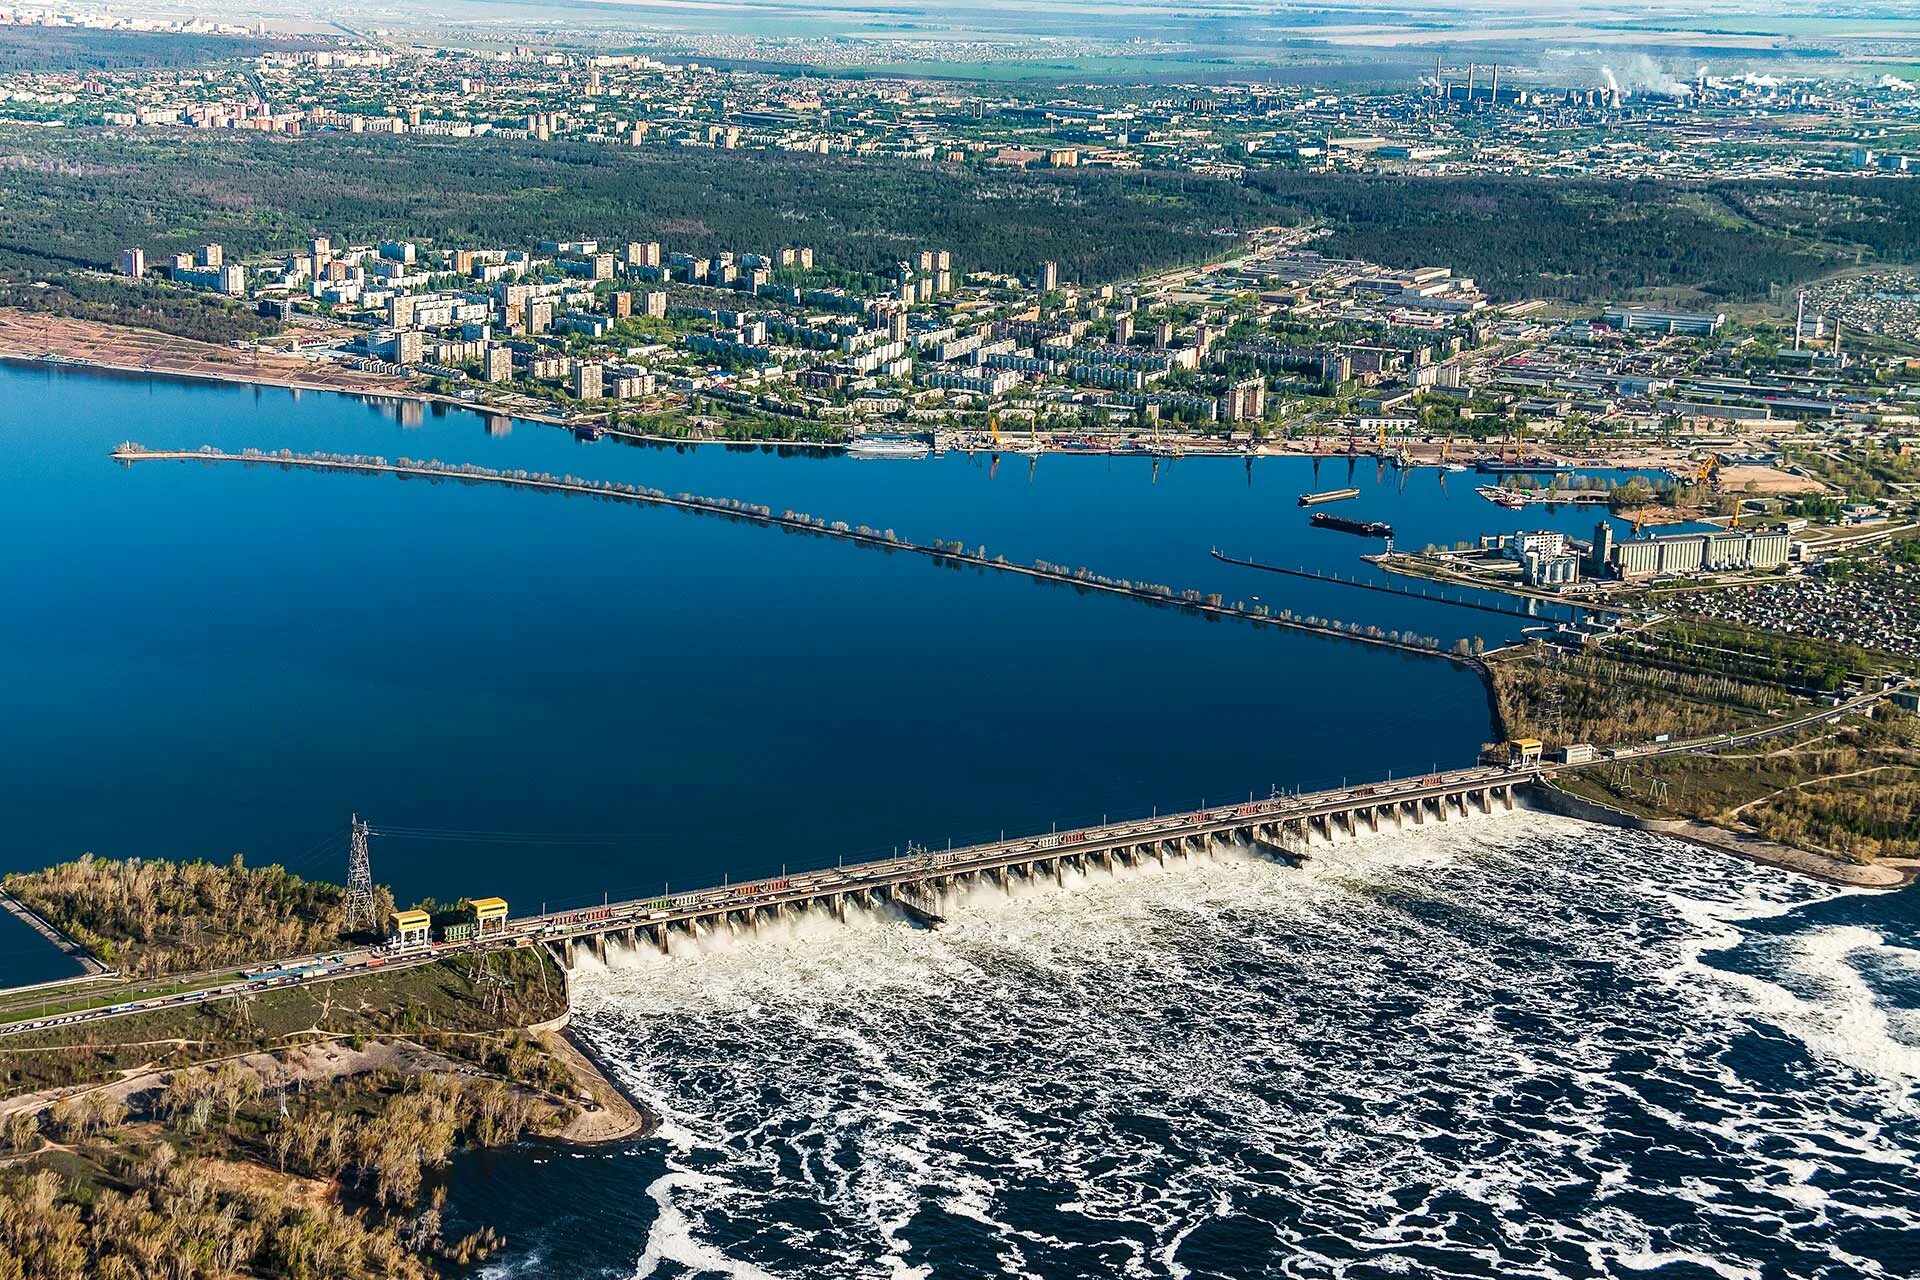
1518,1046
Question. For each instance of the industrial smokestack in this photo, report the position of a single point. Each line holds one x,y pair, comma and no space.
1469,84
1493,91
1799,316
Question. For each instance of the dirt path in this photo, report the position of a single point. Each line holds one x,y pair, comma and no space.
1813,782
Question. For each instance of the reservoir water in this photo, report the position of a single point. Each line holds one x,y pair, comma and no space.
1515,1046
207,660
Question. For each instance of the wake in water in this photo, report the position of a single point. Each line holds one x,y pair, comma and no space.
1514,1046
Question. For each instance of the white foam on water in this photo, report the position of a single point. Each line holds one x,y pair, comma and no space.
672,1239
1489,1040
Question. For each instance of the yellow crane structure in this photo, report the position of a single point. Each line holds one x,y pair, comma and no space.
993,428
1709,467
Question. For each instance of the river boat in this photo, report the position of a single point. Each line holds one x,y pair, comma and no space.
1342,524
888,446
1329,495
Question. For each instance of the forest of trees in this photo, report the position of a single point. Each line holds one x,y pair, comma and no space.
89,196
203,317
77,49
128,1205
1592,697
82,198
153,916
1593,239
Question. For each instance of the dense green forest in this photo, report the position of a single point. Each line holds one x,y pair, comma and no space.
88,196
77,199
1592,239
70,49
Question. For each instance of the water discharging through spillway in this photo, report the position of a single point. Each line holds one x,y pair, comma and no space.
819,920
1511,1045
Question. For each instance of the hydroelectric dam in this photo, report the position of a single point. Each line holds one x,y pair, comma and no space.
1283,827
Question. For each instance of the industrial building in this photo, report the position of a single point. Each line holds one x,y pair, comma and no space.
409,928
490,917
1693,324
1676,553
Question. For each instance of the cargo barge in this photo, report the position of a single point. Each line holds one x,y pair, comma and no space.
1365,528
1330,495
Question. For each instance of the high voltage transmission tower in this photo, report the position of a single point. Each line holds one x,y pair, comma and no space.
359,899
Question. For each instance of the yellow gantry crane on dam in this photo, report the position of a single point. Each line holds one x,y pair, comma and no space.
993,428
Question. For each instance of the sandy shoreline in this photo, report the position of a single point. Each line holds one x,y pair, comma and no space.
616,1115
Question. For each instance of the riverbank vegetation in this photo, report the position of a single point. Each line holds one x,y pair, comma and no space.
214,1172
298,1133
151,916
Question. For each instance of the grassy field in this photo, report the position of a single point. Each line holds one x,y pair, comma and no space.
502,989
1848,790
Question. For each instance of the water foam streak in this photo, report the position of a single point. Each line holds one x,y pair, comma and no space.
1507,1047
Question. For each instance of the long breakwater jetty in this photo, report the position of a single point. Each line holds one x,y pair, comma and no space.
1385,589
956,553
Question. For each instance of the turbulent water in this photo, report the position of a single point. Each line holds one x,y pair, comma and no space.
1513,1047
